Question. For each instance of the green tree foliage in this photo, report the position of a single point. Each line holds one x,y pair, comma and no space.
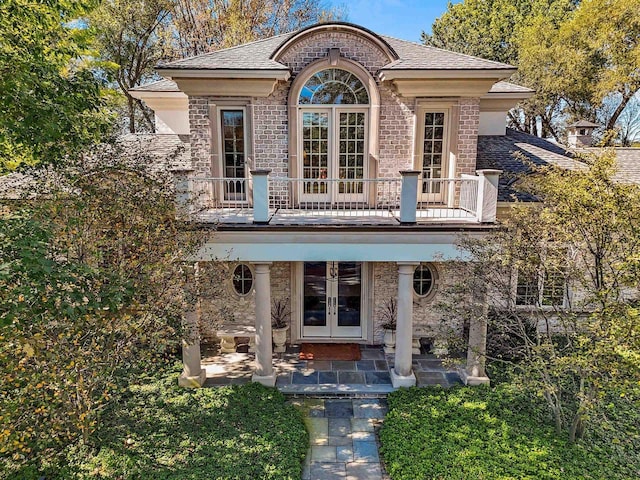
91,291
561,277
580,57
51,105
129,46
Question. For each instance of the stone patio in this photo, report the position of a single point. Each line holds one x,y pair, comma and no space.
370,375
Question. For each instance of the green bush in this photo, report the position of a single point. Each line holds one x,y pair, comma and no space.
500,433
160,431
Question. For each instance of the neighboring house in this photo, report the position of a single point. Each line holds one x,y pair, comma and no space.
338,168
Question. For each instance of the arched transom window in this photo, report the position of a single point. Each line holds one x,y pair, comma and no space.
333,86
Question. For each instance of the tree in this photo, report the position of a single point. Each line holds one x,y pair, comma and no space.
91,294
587,60
628,125
201,26
51,104
561,279
129,46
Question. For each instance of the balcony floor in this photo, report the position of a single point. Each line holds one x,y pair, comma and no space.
284,217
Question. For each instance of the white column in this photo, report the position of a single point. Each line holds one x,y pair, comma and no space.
264,349
409,196
192,373
474,373
401,374
260,195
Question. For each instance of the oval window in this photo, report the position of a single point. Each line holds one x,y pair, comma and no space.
423,280
242,279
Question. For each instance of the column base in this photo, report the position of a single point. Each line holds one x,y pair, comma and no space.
266,380
192,382
402,380
473,381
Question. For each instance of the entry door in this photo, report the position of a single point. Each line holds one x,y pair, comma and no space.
334,142
332,300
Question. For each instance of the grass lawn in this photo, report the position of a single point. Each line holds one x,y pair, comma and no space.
496,433
160,431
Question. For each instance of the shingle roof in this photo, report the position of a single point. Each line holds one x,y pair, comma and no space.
163,85
507,87
250,56
256,56
497,151
583,123
414,56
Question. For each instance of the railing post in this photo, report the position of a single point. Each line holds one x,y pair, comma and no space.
260,195
409,196
182,188
487,194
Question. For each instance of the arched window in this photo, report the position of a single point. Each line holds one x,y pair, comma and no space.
333,86
423,280
242,279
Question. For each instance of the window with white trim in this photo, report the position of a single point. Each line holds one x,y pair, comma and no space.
545,285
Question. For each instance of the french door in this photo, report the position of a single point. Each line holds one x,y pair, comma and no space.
332,299
333,144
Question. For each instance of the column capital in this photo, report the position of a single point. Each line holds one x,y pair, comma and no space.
262,267
407,268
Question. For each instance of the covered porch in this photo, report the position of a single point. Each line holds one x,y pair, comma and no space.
367,376
374,373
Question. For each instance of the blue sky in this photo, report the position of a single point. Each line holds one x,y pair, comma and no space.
404,19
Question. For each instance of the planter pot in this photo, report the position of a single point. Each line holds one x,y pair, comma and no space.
280,339
389,341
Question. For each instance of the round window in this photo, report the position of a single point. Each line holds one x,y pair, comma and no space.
423,280
242,279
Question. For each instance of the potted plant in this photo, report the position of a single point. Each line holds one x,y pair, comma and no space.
388,316
280,315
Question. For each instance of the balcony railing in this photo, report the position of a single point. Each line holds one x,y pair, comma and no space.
407,199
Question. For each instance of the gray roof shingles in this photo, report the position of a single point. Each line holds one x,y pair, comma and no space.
497,151
250,56
414,56
163,85
256,56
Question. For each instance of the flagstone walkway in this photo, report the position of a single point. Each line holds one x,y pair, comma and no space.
342,435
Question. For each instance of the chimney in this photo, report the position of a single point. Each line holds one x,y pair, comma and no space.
580,134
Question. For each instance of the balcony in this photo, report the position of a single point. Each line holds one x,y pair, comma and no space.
282,201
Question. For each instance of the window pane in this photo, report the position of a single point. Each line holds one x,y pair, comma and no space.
333,86
233,153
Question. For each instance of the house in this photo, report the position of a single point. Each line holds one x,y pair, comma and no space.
336,168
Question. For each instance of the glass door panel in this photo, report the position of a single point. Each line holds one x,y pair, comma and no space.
349,294
351,156
314,314
233,154
433,138
332,300
315,155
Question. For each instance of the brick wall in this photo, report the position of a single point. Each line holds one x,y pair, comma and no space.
271,123
468,135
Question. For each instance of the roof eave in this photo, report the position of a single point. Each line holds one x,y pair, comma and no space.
171,73
426,74
522,95
144,94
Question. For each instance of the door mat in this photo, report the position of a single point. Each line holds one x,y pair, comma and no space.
330,351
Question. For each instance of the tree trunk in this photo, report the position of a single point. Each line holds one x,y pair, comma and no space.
618,111
132,116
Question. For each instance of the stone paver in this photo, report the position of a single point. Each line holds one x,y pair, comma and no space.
370,375
343,442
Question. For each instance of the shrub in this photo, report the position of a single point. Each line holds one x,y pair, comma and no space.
499,433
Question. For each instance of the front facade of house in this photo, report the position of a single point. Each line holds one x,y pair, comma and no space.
339,168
